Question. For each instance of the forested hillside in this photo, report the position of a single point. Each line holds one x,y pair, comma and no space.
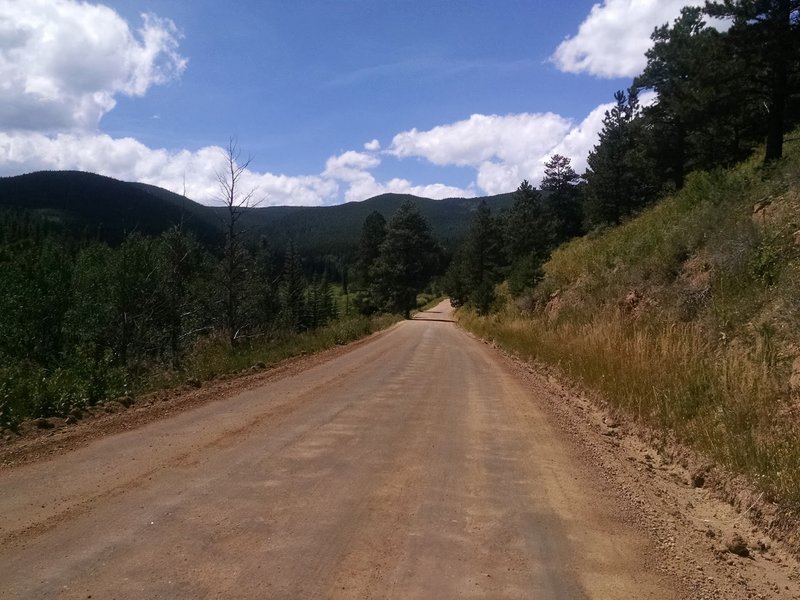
97,207
680,303
91,206
83,320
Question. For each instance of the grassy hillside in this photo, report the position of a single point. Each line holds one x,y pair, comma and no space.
686,318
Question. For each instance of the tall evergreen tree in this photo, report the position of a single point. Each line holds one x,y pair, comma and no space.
765,34
703,115
408,258
479,263
293,289
561,181
373,233
619,177
529,228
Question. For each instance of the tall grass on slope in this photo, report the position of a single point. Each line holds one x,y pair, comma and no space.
723,403
687,318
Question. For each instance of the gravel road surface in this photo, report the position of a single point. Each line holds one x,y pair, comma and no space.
416,465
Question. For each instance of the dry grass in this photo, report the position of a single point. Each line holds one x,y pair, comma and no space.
687,318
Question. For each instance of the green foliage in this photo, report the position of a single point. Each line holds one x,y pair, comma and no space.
213,355
516,244
561,181
619,174
479,264
765,39
530,233
408,258
293,290
83,322
685,317
373,234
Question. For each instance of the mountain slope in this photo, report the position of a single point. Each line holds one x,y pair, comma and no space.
100,206
96,205
337,229
687,318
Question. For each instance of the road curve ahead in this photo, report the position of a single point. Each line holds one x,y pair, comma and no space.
416,465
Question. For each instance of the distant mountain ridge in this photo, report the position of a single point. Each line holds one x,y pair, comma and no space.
107,208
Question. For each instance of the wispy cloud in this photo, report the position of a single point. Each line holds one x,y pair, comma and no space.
431,68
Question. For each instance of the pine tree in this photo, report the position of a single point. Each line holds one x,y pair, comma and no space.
529,228
765,34
561,181
373,232
619,175
408,258
293,290
703,116
479,264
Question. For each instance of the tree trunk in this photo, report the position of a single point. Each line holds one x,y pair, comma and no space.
780,82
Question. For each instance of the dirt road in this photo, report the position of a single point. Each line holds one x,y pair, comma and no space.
417,465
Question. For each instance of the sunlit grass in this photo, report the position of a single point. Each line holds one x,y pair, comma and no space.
705,348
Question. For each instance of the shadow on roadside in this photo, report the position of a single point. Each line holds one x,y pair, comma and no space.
434,320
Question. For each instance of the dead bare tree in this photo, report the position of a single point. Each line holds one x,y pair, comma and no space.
236,201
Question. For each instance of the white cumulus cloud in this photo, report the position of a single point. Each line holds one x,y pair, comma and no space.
353,168
368,186
130,160
350,165
374,145
503,150
62,62
509,138
612,40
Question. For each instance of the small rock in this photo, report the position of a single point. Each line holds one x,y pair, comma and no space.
43,423
698,478
194,382
794,378
736,545
76,412
70,420
761,205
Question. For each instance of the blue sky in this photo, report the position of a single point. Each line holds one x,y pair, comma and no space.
334,100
